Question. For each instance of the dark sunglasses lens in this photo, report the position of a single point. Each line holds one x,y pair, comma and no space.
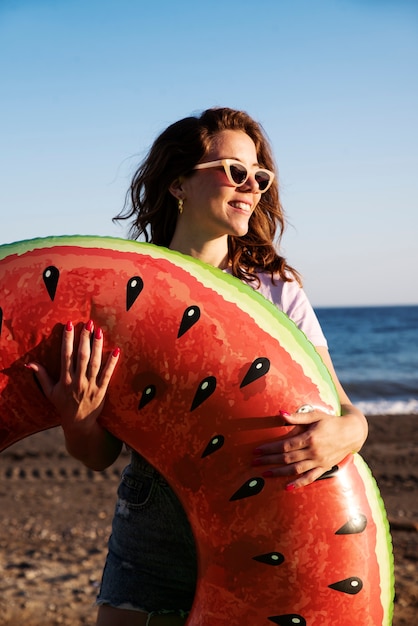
263,180
238,173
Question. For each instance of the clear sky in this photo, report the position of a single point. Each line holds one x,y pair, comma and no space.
86,85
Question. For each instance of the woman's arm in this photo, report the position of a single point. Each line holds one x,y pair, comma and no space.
79,396
318,442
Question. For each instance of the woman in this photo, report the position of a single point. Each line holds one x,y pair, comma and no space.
206,189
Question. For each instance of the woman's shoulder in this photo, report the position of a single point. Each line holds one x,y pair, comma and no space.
290,297
279,290
274,287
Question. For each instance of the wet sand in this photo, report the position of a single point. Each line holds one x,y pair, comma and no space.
56,515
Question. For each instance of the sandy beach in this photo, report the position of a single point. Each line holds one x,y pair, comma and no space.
56,518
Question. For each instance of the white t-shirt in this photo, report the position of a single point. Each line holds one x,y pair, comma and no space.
290,298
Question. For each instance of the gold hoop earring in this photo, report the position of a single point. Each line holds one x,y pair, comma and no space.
180,205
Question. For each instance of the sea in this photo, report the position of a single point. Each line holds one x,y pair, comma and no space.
375,353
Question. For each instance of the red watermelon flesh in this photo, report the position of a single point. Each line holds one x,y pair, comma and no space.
206,366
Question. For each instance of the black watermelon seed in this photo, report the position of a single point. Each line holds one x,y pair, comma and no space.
271,558
190,316
354,525
330,473
349,585
288,620
50,277
206,388
251,487
214,444
147,395
133,289
257,369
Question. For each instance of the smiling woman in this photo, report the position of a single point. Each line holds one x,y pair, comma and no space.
206,189
153,200
214,205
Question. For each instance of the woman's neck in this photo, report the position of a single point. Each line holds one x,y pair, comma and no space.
214,252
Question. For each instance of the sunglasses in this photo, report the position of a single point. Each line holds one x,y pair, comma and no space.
237,173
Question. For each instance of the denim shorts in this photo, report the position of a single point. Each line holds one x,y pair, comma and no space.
151,563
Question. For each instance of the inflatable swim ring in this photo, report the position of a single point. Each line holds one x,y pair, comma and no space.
206,365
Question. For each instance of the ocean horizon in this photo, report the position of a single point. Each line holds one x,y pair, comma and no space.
375,353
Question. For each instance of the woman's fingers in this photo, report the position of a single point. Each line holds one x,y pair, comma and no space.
90,356
275,451
109,368
83,372
303,469
47,384
95,361
84,352
307,414
283,458
78,395
67,349
305,453
306,478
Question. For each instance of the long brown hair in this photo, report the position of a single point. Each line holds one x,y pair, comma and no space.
174,153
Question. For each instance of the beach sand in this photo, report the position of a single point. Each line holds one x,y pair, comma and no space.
56,518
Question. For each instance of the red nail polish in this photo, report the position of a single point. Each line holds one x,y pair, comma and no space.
28,366
89,326
99,333
116,352
69,326
268,474
284,414
290,487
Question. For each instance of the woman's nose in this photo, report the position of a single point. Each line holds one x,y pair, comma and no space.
250,185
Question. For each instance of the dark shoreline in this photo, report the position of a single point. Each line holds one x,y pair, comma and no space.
56,519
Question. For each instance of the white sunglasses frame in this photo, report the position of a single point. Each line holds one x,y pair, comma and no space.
226,163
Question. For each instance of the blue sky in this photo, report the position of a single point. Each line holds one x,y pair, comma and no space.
86,85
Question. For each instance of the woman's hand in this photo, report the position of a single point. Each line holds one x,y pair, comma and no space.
79,395
319,440
317,443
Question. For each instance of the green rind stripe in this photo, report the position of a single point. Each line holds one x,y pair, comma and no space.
264,313
384,552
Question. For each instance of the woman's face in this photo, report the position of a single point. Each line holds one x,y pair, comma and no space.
213,206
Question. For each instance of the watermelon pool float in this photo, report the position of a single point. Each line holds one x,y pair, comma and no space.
206,365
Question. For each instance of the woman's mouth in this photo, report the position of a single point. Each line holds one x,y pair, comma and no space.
242,206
